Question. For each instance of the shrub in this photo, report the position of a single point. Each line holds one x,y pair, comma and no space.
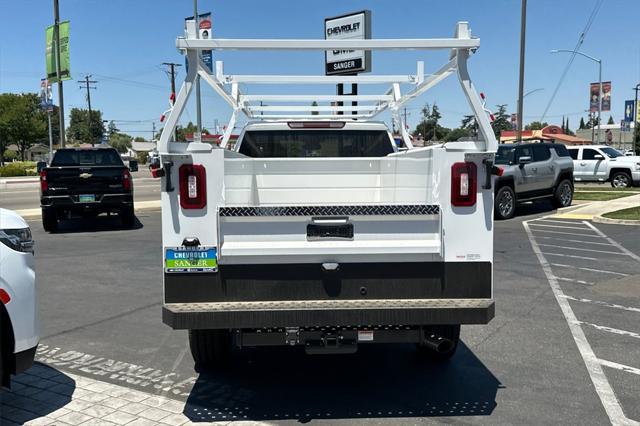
143,157
18,168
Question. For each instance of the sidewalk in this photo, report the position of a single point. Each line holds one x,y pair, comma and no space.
598,208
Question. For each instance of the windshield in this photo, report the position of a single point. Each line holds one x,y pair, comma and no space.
611,153
86,157
505,155
316,143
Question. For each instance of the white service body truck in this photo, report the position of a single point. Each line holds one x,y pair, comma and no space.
315,229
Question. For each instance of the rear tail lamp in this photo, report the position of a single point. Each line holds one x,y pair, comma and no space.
44,185
126,179
463,184
193,186
316,124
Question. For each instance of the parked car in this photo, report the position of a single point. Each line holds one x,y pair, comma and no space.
86,182
532,171
601,163
19,329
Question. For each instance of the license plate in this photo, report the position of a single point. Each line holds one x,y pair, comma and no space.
87,198
196,259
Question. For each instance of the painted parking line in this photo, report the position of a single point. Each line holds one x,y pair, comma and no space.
573,280
615,243
582,249
574,241
602,271
601,303
569,255
566,233
601,383
561,227
566,222
611,329
622,367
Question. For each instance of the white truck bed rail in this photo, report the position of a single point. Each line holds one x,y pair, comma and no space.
461,46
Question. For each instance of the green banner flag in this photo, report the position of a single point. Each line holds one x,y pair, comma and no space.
65,69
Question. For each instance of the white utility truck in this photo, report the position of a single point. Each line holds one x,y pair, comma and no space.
316,229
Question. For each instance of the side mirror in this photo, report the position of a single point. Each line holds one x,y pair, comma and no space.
133,165
598,157
524,160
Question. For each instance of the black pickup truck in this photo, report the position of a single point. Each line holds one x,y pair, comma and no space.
85,182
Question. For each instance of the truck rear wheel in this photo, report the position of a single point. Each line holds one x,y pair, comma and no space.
441,342
49,220
128,217
210,349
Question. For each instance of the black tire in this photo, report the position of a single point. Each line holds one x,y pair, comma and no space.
621,180
505,203
49,220
450,332
128,217
563,194
210,349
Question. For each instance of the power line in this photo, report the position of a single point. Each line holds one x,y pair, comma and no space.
581,38
87,85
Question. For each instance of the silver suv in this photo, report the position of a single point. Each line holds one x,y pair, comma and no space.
532,171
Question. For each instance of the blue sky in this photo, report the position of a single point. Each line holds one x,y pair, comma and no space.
122,44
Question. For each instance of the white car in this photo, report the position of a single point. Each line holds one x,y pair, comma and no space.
602,163
19,327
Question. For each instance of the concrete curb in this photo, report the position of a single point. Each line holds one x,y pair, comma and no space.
608,220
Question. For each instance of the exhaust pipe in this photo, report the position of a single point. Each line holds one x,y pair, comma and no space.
437,343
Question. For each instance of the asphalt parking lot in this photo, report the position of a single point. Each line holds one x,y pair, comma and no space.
100,295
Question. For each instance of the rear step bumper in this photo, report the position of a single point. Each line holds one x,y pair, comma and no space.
317,313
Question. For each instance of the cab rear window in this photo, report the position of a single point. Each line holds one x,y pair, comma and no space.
87,157
316,143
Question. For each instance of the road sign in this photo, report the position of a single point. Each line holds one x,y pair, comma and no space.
50,53
46,95
204,32
348,27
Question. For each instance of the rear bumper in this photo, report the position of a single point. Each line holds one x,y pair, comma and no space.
363,294
70,202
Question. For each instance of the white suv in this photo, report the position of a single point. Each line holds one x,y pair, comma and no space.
19,328
601,163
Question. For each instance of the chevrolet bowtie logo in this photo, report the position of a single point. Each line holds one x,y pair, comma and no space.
85,175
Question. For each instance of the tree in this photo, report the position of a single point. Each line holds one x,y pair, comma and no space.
582,125
429,127
611,120
78,130
469,123
139,139
502,120
536,125
567,130
120,141
315,104
456,134
21,122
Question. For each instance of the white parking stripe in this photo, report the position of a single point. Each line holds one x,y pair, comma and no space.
562,227
615,243
566,233
622,367
601,383
589,269
574,241
581,249
573,280
601,303
569,255
566,222
610,329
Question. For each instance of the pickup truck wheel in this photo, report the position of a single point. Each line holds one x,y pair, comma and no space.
505,203
563,195
621,180
449,332
128,217
210,349
49,220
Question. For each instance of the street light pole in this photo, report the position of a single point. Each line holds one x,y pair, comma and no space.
599,61
523,29
636,130
56,32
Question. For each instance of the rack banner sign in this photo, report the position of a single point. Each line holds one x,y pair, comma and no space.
354,26
46,96
606,96
204,32
628,111
50,53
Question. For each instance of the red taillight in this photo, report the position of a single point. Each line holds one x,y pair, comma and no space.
463,184
126,179
4,297
193,186
44,185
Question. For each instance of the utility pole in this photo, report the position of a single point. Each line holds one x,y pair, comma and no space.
636,130
523,30
56,35
153,130
87,85
172,75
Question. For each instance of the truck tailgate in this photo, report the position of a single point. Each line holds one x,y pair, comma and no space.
93,180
